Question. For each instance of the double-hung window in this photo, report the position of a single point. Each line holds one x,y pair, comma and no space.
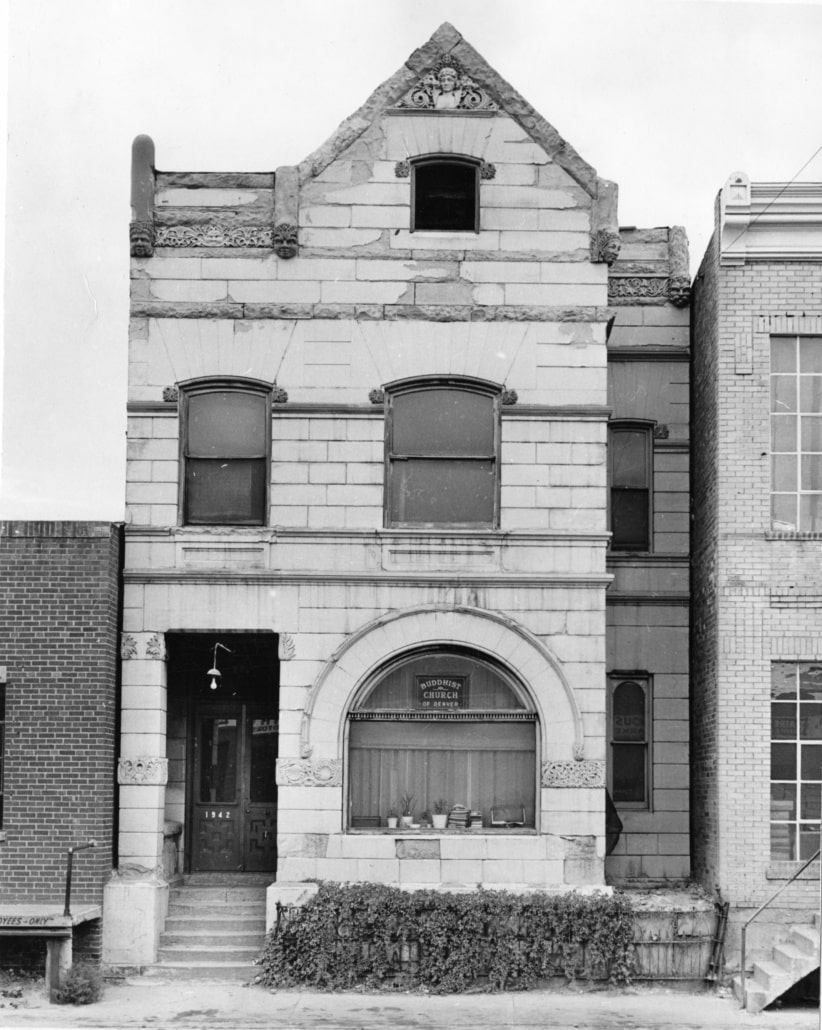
630,718
630,452
796,759
442,455
796,433
225,452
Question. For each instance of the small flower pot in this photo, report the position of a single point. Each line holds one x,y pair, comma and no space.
392,822
440,820
406,820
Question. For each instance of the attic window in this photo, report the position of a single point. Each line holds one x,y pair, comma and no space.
445,194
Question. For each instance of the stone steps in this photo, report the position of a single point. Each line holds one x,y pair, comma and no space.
212,932
790,961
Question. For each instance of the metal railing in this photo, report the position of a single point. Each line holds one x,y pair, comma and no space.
742,970
69,864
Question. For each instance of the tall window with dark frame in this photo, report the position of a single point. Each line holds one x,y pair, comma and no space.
630,703
629,454
442,442
796,433
445,195
226,432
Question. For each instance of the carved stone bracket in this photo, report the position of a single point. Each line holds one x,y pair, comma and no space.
573,774
156,647
286,648
142,770
141,238
679,286
285,240
214,235
448,88
171,394
487,170
402,169
299,772
128,647
661,431
279,395
376,396
509,397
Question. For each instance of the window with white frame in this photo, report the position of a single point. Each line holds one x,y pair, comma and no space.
225,434
796,759
444,728
796,433
442,445
630,729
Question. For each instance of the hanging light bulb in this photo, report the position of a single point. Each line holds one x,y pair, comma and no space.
214,672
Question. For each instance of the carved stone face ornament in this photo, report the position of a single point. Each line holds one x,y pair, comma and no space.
285,240
449,95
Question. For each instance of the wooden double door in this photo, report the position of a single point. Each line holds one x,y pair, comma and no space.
233,788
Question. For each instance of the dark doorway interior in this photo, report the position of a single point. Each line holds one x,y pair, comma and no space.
223,733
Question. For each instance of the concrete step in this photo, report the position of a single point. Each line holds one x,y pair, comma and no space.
196,938
795,962
806,939
207,954
216,972
757,995
215,924
220,895
771,976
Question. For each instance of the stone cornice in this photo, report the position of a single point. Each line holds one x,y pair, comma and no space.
263,576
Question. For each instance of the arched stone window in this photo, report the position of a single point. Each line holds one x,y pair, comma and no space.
444,724
445,195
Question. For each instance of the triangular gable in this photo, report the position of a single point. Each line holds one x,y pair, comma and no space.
481,88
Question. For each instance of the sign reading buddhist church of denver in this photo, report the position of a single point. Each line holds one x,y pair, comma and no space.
441,692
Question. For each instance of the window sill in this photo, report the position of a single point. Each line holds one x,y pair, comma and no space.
785,870
404,831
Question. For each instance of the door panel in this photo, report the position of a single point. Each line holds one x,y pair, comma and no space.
233,808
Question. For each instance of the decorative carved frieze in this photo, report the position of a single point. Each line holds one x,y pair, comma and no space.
286,647
300,772
402,169
509,397
487,170
128,647
279,395
573,774
171,394
638,287
141,237
214,235
285,240
448,88
144,770
605,246
156,647
376,396
661,431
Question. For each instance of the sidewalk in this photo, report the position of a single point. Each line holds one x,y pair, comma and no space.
178,1005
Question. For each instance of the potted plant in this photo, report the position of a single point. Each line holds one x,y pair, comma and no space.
392,817
440,816
407,809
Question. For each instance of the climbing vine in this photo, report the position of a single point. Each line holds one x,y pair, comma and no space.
372,935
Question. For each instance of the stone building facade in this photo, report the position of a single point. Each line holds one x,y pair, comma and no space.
367,544
757,699
60,599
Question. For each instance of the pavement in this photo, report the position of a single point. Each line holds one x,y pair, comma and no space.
149,1003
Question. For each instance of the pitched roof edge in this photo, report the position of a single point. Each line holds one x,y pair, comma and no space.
447,40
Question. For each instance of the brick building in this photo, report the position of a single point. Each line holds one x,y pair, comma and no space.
388,410
757,695
60,599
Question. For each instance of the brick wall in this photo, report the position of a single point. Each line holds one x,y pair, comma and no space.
59,598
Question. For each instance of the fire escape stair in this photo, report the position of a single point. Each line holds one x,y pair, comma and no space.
790,961
211,933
